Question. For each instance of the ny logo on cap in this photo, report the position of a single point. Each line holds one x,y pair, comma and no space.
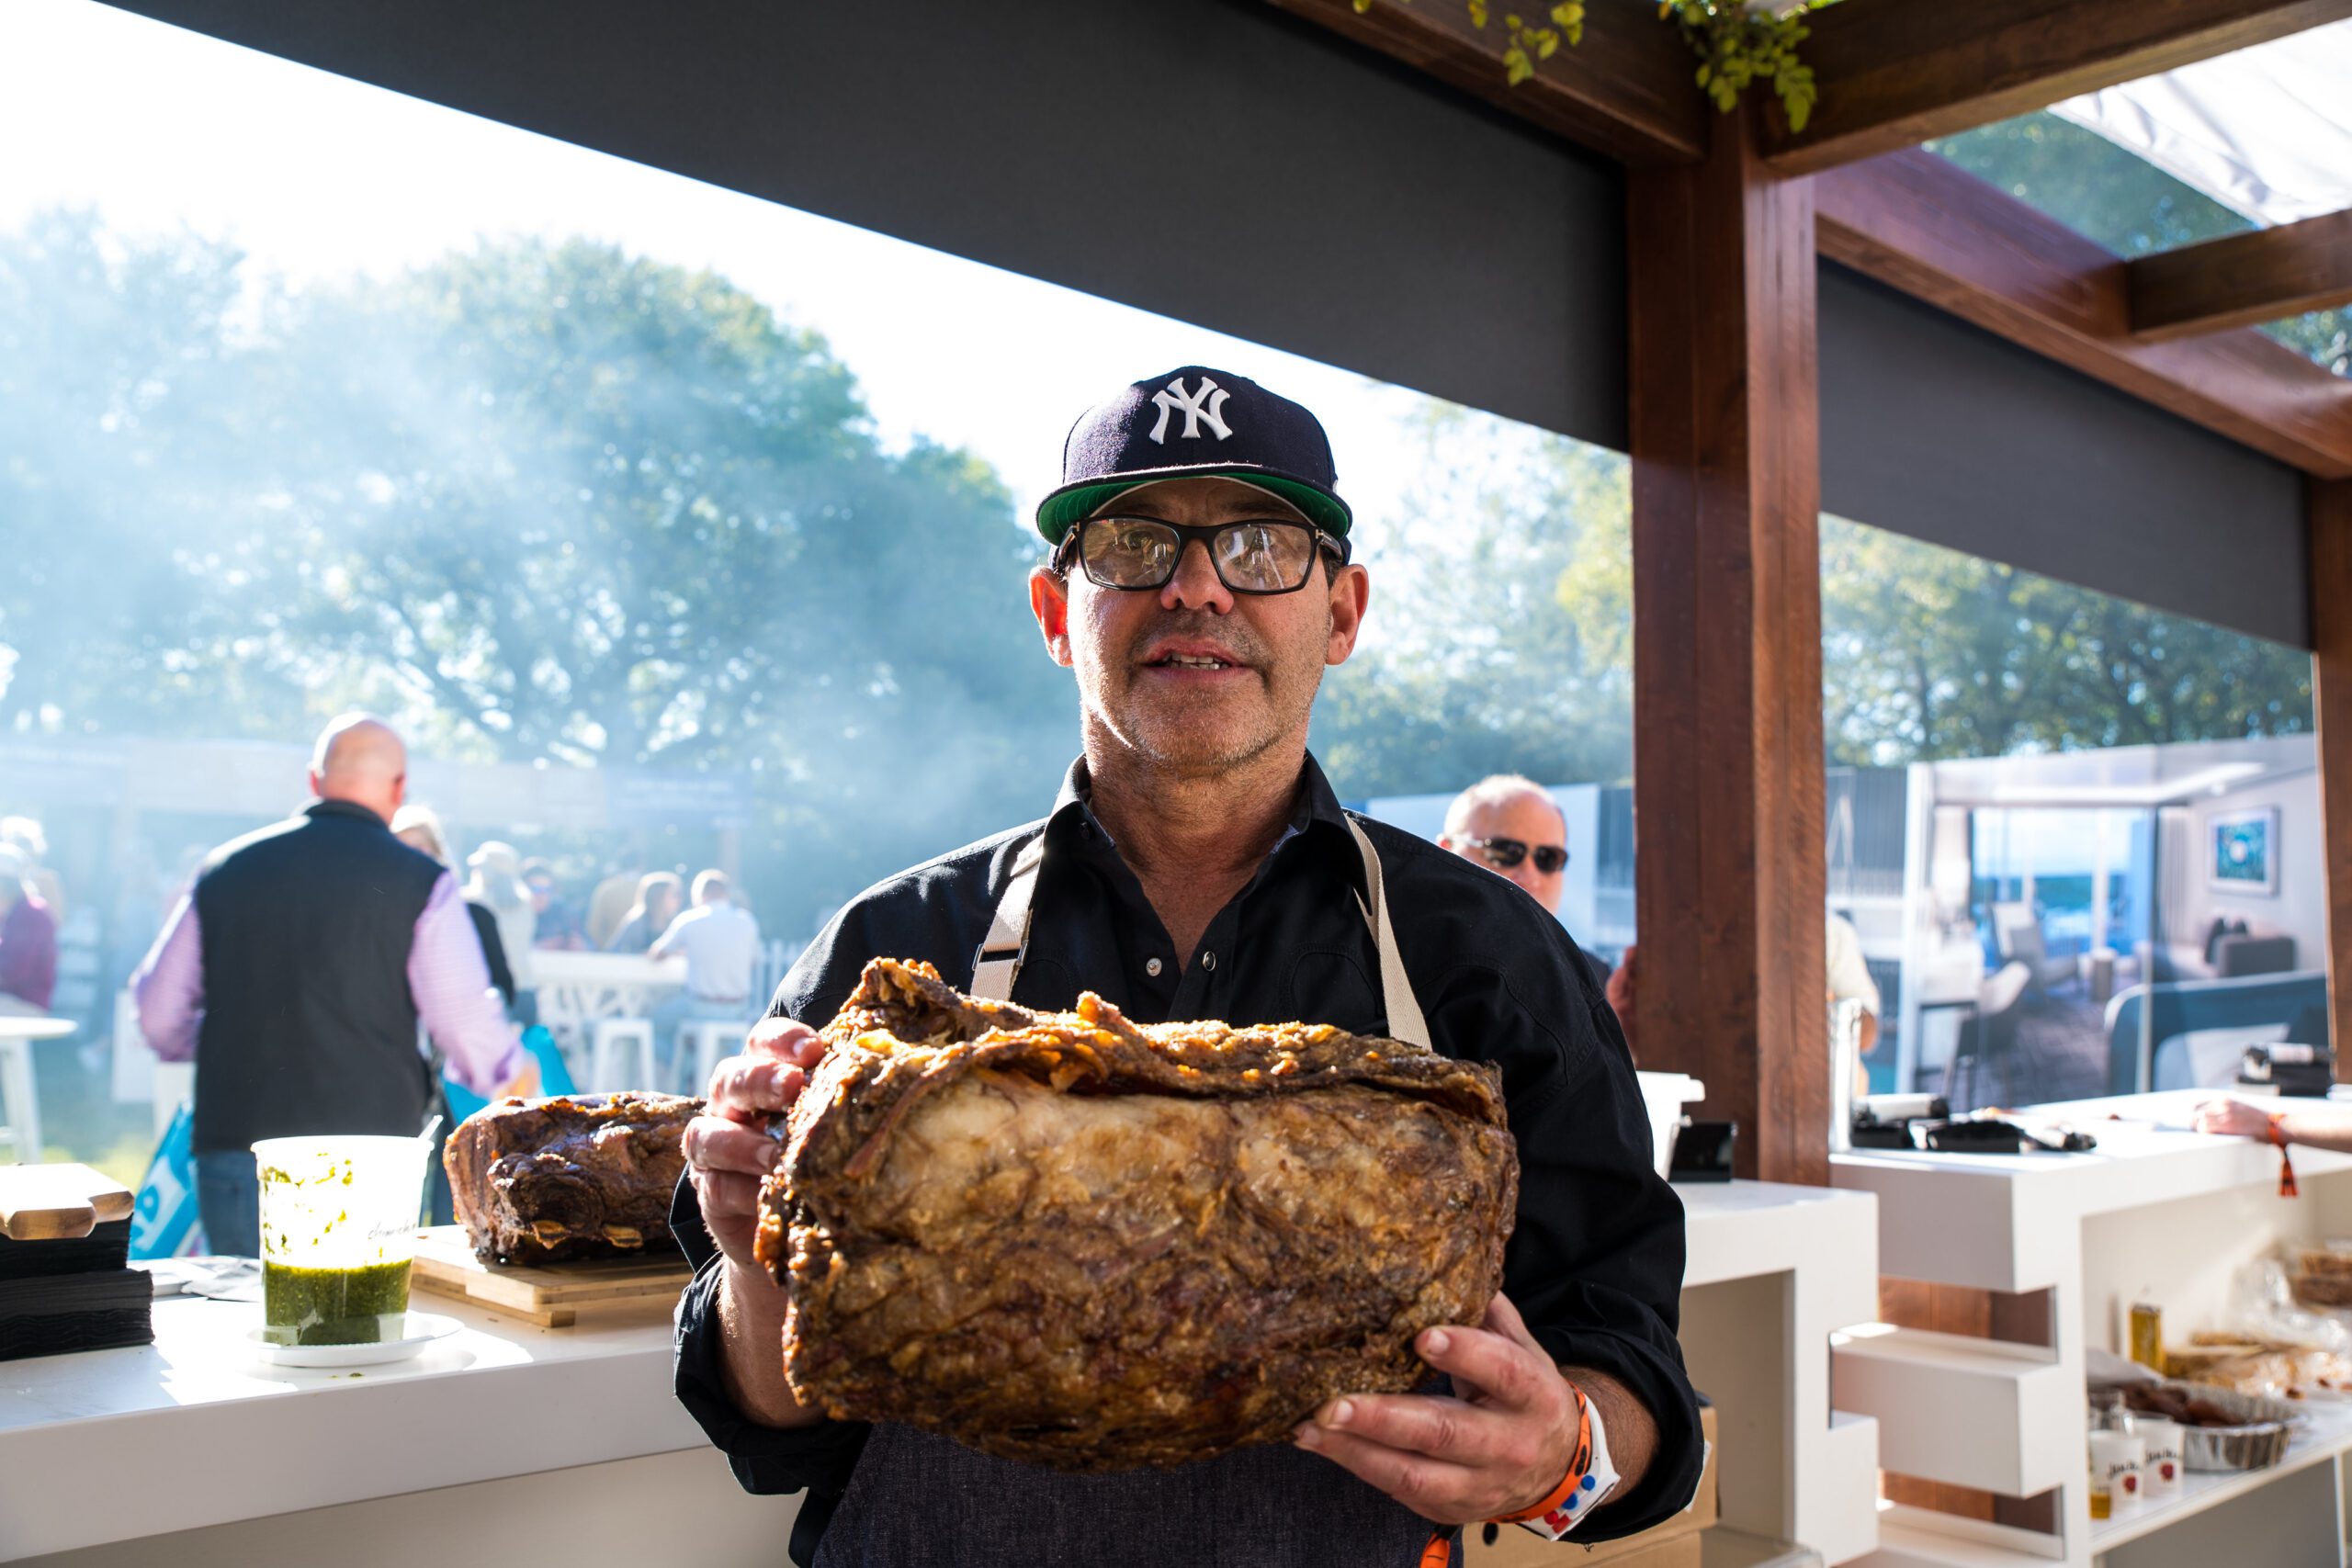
1173,397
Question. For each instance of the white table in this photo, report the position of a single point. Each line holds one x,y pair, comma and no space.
2155,1211
577,988
19,1096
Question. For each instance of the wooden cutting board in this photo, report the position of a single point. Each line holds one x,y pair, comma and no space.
58,1202
547,1293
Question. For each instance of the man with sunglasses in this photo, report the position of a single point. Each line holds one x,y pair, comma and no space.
1197,865
1510,825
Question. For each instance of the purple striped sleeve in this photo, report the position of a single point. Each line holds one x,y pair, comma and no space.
169,985
450,983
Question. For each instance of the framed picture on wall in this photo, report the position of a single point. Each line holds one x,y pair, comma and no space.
2246,852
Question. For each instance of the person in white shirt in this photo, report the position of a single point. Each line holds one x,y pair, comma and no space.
721,941
1849,978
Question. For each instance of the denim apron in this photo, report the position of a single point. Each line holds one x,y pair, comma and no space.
918,1500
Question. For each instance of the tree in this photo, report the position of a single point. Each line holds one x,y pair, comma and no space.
1499,637
1930,653
540,502
131,585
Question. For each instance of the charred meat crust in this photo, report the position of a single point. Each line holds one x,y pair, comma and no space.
1068,1240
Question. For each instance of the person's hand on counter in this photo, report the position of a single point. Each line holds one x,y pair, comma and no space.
2232,1118
2316,1128
729,1152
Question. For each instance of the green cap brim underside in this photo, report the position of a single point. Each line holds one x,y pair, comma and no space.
1060,510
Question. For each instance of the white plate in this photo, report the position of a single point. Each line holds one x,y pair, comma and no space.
423,1329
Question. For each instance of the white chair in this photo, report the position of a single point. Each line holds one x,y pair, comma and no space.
19,1101
706,1042
608,1039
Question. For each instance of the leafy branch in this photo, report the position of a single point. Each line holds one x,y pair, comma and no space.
1736,45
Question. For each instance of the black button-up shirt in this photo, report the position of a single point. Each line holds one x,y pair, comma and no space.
1595,1264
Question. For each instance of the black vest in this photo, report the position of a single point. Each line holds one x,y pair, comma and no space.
309,1026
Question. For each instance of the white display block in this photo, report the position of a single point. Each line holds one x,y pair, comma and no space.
2156,1213
1774,1273
2001,1410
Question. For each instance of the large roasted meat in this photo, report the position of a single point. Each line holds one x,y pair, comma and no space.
1064,1239
577,1175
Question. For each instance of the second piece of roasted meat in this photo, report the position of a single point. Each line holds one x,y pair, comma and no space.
576,1176
1065,1239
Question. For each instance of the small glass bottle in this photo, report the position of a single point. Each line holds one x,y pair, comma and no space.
2148,1334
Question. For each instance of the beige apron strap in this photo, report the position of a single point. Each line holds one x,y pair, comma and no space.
997,962
1405,1020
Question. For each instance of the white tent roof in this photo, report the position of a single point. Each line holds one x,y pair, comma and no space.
2266,132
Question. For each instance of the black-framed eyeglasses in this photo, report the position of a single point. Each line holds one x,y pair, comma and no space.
1505,854
1254,555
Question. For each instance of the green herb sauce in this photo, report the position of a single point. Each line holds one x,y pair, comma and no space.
333,1306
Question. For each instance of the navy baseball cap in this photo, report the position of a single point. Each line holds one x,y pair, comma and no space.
1196,422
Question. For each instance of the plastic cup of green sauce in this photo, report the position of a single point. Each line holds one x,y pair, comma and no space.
338,1228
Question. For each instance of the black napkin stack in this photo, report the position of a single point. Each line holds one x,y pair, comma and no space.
76,1294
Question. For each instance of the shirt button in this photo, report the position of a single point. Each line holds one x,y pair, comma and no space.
1151,967
1208,960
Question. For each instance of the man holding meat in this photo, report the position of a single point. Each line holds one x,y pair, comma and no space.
1197,865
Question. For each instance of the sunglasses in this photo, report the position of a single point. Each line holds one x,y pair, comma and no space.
1505,854
1258,556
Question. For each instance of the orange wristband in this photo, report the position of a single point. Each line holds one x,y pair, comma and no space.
1580,1464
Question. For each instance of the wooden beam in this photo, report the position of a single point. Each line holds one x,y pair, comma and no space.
1893,73
1929,228
1727,757
2241,279
1626,91
2331,547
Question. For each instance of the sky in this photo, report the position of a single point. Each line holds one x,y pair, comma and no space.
319,178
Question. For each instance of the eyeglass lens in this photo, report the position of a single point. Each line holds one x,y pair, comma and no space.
1250,557
1506,853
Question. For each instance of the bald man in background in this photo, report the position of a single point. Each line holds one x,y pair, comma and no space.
295,969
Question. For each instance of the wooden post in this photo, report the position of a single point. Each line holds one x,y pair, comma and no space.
1727,745
2331,547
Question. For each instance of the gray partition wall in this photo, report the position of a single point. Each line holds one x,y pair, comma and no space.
1946,433
1220,161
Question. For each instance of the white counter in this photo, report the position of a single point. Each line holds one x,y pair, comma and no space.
190,1431
2156,1211
509,1428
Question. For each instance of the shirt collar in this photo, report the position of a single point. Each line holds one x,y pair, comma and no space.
1314,806
317,809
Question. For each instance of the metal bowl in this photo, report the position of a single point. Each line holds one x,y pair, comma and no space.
2259,1442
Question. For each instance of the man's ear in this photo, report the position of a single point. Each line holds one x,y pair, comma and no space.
1350,593
1049,602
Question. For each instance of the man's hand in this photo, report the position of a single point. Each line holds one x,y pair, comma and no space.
729,1153
728,1149
1501,1446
